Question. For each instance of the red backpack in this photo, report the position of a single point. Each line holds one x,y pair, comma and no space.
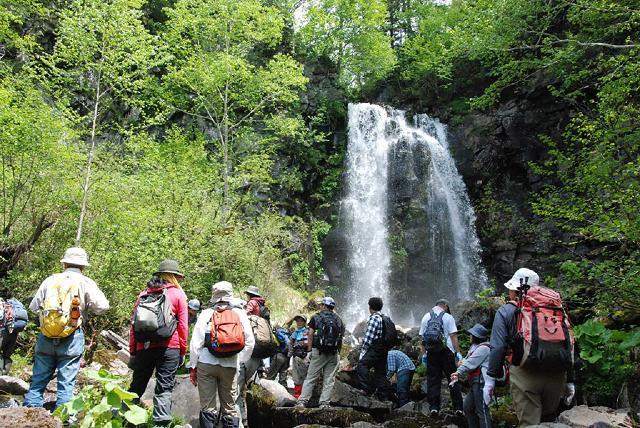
544,336
225,337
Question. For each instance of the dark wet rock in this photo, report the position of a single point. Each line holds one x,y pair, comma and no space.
24,417
185,401
13,385
347,396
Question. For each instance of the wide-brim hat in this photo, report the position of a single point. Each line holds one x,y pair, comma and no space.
526,275
169,266
75,256
479,331
253,290
221,291
302,317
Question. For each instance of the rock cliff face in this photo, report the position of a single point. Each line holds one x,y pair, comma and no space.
493,152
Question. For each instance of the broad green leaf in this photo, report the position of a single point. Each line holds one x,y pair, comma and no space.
136,415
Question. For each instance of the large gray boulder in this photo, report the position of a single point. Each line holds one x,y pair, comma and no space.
185,401
584,417
25,417
13,385
348,396
278,393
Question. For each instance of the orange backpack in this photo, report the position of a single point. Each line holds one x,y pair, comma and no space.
544,336
225,337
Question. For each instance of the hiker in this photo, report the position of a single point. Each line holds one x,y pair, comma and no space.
63,302
537,387
299,353
158,337
400,364
213,364
473,369
440,342
279,362
264,346
193,308
373,354
13,320
255,302
326,331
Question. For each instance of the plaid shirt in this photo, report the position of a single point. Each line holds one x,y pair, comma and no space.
398,361
374,332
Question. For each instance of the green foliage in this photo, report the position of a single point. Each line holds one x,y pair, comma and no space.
103,402
607,357
351,34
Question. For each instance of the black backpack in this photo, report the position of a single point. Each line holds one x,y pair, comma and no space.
328,334
153,320
433,336
389,332
265,312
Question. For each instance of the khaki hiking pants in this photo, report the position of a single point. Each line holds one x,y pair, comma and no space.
215,382
536,395
322,366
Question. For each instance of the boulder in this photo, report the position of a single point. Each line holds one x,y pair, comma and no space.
13,385
279,393
25,417
185,399
289,417
584,417
347,396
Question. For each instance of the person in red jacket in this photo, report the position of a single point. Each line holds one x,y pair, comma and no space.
255,301
163,355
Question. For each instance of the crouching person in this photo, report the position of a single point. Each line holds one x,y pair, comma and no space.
222,340
474,369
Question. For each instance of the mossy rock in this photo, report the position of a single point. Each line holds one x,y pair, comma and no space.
503,416
289,417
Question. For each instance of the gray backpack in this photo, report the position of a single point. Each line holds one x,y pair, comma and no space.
153,319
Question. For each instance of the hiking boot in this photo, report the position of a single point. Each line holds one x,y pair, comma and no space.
325,406
300,405
434,413
459,413
230,422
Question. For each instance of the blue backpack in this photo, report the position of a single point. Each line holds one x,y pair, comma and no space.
433,336
14,317
282,338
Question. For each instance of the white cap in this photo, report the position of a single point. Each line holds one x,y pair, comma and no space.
75,256
532,279
222,290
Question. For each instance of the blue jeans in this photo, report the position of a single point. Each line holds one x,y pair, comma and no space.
55,354
403,386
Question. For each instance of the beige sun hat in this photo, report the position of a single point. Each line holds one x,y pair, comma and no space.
75,256
221,291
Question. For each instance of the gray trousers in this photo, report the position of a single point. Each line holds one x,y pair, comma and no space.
217,382
477,413
322,367
245,374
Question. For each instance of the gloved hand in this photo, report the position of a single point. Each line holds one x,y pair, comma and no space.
487,390
181,361
569,393
193,376
132,362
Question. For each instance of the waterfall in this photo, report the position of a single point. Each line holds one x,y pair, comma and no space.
408,222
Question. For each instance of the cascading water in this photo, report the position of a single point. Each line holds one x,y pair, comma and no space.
409,225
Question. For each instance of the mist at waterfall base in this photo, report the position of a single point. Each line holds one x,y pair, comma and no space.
406,220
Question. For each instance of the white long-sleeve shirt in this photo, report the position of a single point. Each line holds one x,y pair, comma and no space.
92,299
198,352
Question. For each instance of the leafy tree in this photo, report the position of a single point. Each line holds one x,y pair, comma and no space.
217,78
102,57
37,160
352,34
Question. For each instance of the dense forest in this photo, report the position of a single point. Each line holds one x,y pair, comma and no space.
214,133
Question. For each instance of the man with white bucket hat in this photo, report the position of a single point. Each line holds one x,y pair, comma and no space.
536,392
63,301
